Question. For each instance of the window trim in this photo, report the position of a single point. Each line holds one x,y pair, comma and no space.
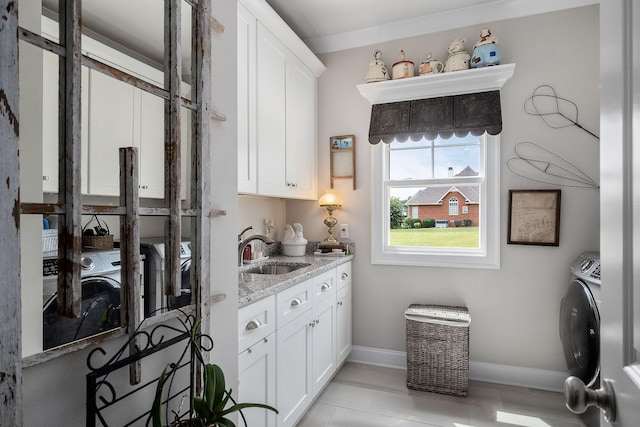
454,206
486,257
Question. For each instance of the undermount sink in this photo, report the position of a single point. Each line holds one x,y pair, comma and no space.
276,268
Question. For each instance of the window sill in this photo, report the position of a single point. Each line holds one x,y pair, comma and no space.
435,85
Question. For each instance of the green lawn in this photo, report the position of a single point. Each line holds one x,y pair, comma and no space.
462,237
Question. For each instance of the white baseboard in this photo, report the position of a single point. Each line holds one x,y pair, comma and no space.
541,379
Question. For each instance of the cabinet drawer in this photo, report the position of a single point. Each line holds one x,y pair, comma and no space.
293,302
344,274
324,286
255,322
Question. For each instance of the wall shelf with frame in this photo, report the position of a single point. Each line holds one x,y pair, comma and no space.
343,158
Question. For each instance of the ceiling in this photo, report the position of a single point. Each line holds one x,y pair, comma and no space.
325,26
312,19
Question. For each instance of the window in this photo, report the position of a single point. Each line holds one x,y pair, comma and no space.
435,177
414,212
453,206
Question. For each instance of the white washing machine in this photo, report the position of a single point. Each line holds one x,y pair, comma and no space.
153,251
100,272
580,319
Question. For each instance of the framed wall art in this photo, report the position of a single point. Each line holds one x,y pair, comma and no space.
343,158
534,217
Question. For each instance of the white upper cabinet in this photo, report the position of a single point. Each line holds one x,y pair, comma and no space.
112,105
272,104
114,114
50,150
276,106
301,131
247,149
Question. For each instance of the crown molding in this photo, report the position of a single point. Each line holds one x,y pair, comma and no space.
481,14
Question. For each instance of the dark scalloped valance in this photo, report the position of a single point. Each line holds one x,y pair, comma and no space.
474,113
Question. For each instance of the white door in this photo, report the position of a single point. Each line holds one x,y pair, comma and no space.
620,206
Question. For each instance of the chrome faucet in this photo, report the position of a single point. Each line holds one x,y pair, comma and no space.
243,243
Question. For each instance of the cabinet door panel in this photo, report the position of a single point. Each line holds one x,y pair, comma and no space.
257,381
324,343
301,129
294,382
344,322
247,149
152,148
50,150
271,101
111,117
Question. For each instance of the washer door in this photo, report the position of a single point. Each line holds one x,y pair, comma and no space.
100,313
580,332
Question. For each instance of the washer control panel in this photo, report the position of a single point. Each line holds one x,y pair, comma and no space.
587,267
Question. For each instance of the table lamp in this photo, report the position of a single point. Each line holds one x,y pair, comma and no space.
331,201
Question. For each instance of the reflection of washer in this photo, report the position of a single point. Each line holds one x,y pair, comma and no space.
153,250
580,319
100,272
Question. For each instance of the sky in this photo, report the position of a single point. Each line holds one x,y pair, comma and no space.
431,159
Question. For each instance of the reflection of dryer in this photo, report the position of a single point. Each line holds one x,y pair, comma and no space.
100,272
580,319
153,250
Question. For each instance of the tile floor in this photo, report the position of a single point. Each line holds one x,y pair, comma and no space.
369,396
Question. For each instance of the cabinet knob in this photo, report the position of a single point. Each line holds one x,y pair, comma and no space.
296,302
339,302
253,324
45,178
325,286
344,276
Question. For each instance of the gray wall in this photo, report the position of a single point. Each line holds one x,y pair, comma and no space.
514,310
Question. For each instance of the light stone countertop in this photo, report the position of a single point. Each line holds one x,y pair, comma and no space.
254,287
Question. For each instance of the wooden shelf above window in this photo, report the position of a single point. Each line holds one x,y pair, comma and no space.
461,82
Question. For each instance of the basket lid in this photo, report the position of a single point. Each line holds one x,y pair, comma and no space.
456,316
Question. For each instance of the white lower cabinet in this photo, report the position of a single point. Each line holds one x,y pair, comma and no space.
324,329
257,381
312,339
257,360
344,325
323,358
294,385
343,312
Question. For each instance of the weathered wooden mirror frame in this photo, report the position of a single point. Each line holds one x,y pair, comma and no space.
69,207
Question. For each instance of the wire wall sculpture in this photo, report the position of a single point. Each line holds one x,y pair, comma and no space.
555,111
541,165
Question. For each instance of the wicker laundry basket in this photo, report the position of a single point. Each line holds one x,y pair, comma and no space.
438,349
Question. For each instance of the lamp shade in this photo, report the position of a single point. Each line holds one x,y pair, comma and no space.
329,198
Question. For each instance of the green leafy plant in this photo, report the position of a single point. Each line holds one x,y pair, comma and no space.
210,408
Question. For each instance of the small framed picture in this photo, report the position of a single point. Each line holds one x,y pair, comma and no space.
534,217
342,142
343,158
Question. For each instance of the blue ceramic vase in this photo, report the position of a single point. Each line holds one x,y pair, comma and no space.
484,55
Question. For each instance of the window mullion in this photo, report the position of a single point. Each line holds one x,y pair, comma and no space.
70,236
